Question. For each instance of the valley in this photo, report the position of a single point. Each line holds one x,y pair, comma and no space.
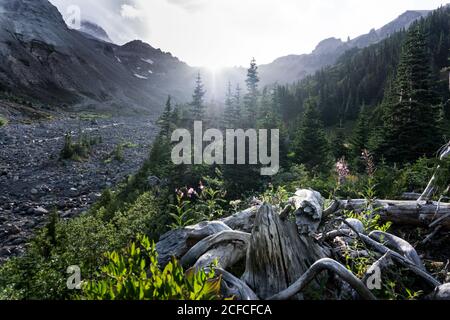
34,181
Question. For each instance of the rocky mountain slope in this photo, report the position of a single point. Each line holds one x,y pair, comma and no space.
95,31
293,68
41,58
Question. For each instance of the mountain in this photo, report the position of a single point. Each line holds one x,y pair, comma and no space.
293,68
42,59
94,30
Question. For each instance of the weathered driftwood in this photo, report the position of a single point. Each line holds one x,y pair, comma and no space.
227,247
403,212
381,264
242,221
277,255
399,245
440,293
235,287
308,206
176,243
429,279
315,270
332,208
431,187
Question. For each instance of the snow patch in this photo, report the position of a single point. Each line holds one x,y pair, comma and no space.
150,61
118,59
140,77
150,71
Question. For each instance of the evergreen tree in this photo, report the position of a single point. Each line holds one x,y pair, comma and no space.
198,107
311,145
361,133
251,98
338,147
165,122
231,112
411,117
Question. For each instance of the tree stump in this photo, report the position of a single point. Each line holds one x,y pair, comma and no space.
277,254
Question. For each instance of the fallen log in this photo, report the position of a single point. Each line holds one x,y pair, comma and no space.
277,255
403,212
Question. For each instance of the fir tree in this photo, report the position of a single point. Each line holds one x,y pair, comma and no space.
311,145
251,98
231,116
165,122
338,147
198,107
411,117
361,133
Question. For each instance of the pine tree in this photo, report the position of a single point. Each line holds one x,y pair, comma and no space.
361,133
198,107
311,145
338,147
411,117
251,98
165,122
231,116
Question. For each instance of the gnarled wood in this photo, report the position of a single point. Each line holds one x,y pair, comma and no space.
429,279
177,242
404,212
399,245
235,287
242,221
308,206
277,255
228,247
317,268
431,187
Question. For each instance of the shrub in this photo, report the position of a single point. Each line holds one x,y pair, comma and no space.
78,150
41,272
134,274
3,121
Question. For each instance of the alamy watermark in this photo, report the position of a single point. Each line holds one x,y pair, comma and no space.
238,147
74,279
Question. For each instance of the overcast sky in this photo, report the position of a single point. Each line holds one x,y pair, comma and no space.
216,33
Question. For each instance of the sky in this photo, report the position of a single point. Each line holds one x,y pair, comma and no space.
226,33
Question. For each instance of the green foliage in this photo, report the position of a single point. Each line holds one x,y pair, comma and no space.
79,150
197,104
278,196
3,121
193,206
181,213
411,110
311,146
41,272
134,274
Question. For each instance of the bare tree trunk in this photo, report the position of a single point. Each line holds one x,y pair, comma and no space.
277,255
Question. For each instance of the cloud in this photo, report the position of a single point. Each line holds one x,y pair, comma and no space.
189,5
130,12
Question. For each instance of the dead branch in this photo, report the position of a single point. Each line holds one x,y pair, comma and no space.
316,269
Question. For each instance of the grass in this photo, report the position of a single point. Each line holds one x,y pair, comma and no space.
3,121
80,150
93,116
118,153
